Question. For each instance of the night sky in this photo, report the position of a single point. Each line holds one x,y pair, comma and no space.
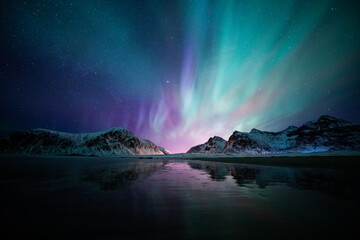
177,72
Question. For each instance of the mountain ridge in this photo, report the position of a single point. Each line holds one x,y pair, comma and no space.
111,142
325,134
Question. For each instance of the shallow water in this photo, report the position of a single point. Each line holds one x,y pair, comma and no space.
110,198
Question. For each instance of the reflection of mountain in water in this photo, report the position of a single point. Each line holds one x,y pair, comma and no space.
218,172
120,175
338,182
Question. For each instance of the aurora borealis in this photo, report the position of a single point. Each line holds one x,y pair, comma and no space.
177,72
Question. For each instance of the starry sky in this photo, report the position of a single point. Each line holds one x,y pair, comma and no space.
177,72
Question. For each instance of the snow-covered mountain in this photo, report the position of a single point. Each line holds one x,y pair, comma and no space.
213,145
112,142
325,134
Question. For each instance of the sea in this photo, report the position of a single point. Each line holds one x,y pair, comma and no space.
133,198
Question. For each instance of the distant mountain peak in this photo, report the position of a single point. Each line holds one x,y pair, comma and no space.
290,128
327,117
216,138
215,144
325,122
254,130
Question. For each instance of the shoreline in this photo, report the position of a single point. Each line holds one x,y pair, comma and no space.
346,161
